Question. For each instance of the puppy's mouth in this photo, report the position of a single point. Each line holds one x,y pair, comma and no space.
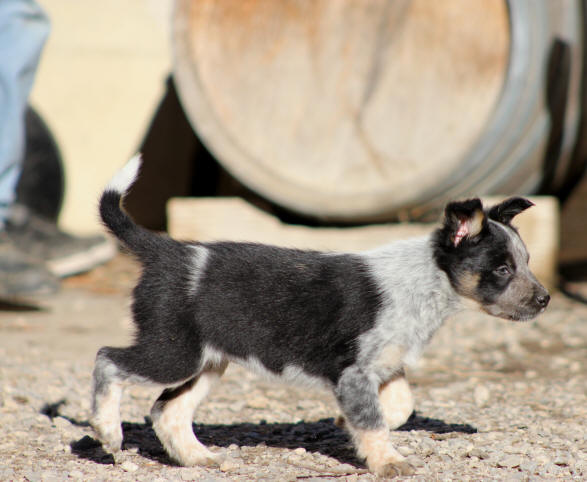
526,316
514,316
522,318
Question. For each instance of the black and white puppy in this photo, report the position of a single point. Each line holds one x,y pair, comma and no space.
348,322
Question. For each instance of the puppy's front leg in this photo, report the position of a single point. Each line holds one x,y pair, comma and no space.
357,395
397,401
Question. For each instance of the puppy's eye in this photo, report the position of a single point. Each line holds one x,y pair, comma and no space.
503,271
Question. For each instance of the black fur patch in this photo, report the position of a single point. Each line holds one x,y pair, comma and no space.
481,257
167,344
456,212
281,306
504,212
286,307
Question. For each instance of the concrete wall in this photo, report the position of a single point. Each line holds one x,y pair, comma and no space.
100,79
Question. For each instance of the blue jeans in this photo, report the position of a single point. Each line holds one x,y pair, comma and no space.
24,28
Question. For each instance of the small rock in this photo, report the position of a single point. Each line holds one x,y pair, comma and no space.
6,447
562,460
404,450
479,453
345,468
300,451
228,465
542,459
508,449
291,459
129,466
50,476
573,341
416,462
575,367
189,474
529,467
237,406
510,461
549,469
481,395
6,474
306,404
425,446
32,476
258,402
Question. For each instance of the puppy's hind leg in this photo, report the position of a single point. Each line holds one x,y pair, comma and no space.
172,416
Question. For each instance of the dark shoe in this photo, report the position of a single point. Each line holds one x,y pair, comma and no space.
64,254
21,275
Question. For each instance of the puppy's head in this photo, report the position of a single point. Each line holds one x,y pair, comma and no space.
486,260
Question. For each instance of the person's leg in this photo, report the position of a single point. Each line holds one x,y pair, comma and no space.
24,28
33,251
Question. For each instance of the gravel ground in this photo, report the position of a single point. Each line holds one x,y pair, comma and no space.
495,401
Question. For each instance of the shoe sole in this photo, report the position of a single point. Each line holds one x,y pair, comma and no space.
84,261
22,296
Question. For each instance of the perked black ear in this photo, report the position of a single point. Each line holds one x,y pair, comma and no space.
505,211
464,220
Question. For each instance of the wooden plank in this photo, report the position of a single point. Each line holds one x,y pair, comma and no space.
212,219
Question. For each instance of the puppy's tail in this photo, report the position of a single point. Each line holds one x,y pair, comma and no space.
136,238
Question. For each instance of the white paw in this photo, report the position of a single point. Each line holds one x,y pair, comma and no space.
394,469
109,434
200,458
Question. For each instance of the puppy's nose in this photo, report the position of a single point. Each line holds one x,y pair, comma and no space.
543,300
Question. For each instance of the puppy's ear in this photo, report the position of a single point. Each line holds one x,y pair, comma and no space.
464,220
505,211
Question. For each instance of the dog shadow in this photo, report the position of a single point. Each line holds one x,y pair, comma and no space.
322,436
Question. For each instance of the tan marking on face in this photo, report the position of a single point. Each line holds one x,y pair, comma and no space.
468,283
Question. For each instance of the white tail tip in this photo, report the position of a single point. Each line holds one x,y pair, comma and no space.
126,176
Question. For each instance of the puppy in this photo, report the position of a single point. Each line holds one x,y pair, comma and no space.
347,322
